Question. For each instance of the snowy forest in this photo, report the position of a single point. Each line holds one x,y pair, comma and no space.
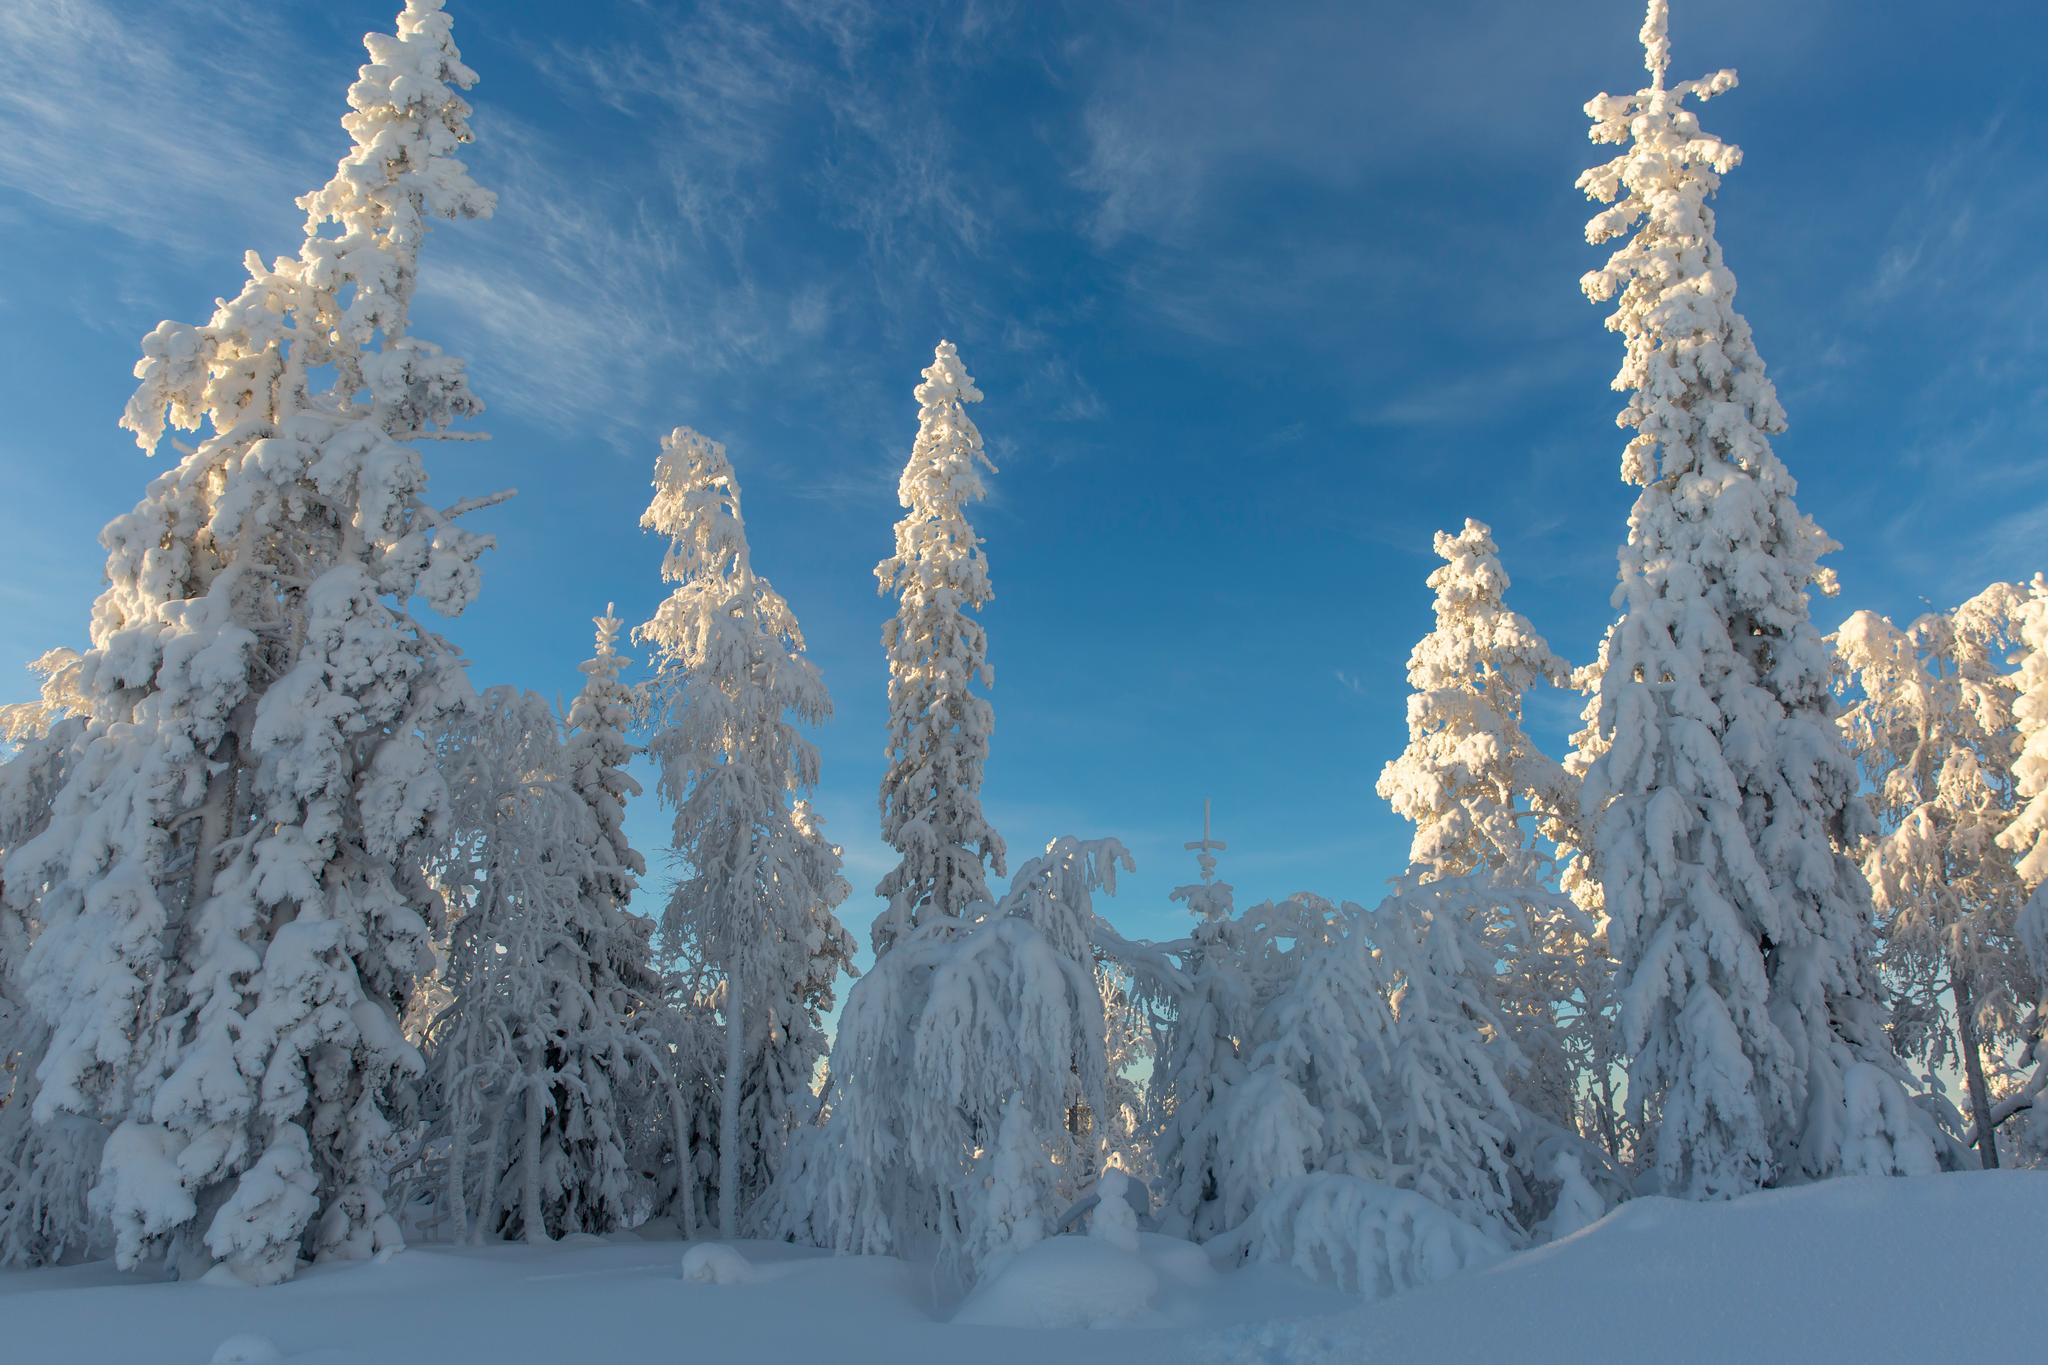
313,951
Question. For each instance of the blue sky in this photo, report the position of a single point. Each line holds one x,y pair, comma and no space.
1260,296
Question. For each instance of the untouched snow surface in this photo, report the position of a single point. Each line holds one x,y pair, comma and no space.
1863,1270
1858,1270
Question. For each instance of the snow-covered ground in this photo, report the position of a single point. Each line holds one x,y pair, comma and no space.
1852,1270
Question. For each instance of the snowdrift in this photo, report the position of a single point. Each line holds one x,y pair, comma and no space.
1862,1270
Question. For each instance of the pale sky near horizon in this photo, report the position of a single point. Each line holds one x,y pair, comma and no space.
1261,296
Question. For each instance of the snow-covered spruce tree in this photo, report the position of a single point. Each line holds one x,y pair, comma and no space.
1930,720
1724,794
1018,1175
230,889
1301,1095
1199,1057
1591,1033
755,904
961,1028
46,1169
39,740
1477,789
540,1061
938,724
2027,837
546,1061
595,756
779,1097
656,1110
1450,1123
676,1152
1470,775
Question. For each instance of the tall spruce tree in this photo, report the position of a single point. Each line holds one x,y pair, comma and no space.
230,887
1724,797
2027,836
938,724
731,685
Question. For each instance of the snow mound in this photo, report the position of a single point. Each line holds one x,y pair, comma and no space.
1113,1277
1115,1218
247,1349
1066,1282
717,1263
1854,1269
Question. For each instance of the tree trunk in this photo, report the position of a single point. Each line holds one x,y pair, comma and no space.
729,1110
1973,1069
530,1201
217,810
1603,1114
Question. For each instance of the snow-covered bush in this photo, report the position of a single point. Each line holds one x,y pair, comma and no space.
961,1029
1361,1235
1376,1054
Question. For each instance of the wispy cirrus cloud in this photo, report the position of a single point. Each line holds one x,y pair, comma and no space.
737,121
153,121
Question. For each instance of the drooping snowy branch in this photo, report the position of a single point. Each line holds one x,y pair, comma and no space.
962,1062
